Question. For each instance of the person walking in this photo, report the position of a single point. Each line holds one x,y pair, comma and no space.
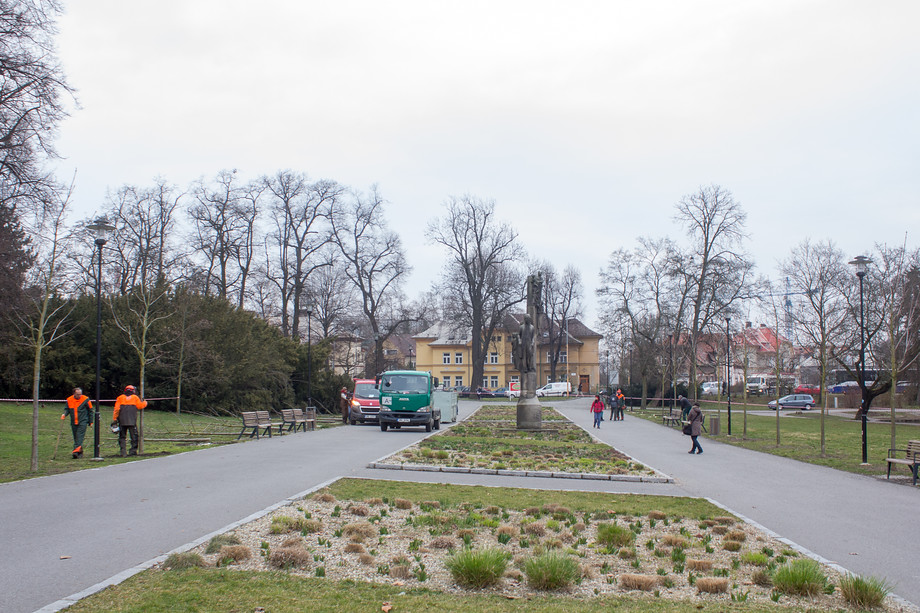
695,421
597,407
80,409
620,404
612,402
126,408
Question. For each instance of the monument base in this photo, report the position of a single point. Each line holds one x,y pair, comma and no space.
529,415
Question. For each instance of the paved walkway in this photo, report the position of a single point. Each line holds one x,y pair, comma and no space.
114,518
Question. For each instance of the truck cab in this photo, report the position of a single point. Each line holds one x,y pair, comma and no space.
406,400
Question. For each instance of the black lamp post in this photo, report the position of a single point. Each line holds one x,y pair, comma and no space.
309,311
377,355
861,263
100,228
608,372
728,367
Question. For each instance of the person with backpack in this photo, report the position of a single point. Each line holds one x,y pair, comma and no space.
694,427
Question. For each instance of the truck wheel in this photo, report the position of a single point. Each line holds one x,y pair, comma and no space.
383,427
437,424
428,426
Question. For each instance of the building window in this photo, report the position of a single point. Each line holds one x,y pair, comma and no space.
563,358
458,382
485,382
493,381
514,379
446,381
445,358
458,358
493,357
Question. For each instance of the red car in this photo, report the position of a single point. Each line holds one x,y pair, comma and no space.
807,389
365,402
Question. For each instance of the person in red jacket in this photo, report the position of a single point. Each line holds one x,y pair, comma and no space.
126,407
597,407
80,409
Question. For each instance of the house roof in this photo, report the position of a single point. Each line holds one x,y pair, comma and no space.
443,334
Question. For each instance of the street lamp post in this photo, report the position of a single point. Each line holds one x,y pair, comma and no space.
100,228
728,367
861,263
309,311
608,372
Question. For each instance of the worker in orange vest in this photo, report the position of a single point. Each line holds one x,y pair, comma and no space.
621,402
80,409
126,407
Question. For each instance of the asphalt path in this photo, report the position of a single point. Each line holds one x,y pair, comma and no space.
106,520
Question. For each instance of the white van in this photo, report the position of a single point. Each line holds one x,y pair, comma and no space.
710,388
560,388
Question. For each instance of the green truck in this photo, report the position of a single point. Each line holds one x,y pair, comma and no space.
408,398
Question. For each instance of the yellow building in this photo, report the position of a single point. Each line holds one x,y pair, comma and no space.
446,354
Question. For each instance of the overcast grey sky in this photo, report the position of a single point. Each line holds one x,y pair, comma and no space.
584,121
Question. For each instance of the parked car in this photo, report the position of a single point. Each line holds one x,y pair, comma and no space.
807,388
840,388
365,402
559,388
710,388
793,401
501,392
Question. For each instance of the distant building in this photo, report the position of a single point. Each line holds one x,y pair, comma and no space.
445,351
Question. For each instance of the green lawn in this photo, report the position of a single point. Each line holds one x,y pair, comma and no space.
16,438
800,437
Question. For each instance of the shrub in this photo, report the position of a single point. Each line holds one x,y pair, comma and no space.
402,503
234,553
731,545
865,593
283,524
288,557
443,542
757,558
535,528
219,541
712,585
657,515
725,521
354,548
324,497
360,511
359,529
801,577
645,583
736,535
719,530
626,553
672,540
614,535
699,565
762,578
179,561
477,568
552,571
374,502
367,559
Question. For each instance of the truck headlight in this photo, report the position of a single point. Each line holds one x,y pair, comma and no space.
424,410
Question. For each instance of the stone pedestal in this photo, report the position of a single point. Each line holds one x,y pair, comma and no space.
529,416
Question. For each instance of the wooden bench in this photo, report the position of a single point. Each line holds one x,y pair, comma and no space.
911,458
308,416
293,419
252,421
265,421
671,420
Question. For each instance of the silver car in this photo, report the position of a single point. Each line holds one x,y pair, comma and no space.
793,401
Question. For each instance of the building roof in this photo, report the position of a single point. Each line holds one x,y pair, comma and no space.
443,334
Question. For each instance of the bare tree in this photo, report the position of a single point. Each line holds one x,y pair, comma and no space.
816,272
374,262
32,86
482,276
44,318
224,216
714,260
300,212
562,302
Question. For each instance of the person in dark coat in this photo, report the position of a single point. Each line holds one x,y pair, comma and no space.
684,405
695,419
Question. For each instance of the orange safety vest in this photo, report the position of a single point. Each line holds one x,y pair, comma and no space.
74,402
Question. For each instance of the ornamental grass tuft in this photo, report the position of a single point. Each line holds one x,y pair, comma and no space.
552,570
219,541
477,568
865,593
180,561
801,577
614,535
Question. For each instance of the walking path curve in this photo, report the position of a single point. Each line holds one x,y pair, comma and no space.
117,517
